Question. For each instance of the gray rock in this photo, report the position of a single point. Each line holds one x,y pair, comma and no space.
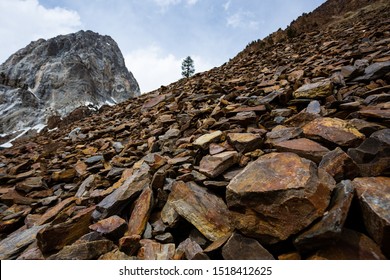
55,76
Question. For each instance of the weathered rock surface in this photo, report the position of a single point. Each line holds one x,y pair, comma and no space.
53,77
239,247
173,173
374,198
278,195
207,212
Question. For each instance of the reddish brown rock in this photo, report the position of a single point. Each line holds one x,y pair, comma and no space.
113,227
339,165
57,236
130,244
333,130
374,199
244,142
190,250
66,175
31,184
141,212
84,251
204,140
278,195
239,247
152,250
215,165
303,147
207,212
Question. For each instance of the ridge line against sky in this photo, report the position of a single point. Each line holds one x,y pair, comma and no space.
153,35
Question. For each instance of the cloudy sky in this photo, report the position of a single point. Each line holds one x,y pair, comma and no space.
154,35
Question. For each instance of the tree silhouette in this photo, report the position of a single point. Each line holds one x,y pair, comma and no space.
187,67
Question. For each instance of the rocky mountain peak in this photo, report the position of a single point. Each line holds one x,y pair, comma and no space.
53,77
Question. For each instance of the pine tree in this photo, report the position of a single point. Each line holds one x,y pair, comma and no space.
187,67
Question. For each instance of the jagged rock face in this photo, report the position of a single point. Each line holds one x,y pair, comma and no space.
55,76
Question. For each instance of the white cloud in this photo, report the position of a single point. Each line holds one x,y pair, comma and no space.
166,3
242,19
152,68
23,21
226,6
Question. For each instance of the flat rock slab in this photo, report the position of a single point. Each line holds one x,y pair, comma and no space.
55,237
18,241
204,140
333,130
315,90
374,199
206,211
215,165
113,227
84,251
152,250
244,142
141,212
278,195
239,247
303,147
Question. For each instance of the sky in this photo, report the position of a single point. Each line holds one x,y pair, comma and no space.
153,35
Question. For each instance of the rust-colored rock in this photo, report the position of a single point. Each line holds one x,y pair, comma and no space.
278,195
207,212
215,165
239,247
244,142
339,165
333,130
141,212
303,147
113,227
374,199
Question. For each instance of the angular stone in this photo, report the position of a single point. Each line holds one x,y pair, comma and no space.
66,175
51,213
207,212
122,196
31,253
374,199
112,227
12,218
191,250
115,255
315,90
215,165
330,227
84,251
376,113
152,250
244,118
304,148
81,168
204,140
18,241
278,195
86,186
165,238
374,71
31,184
239,247
373,155
244,142
14,197
339,165
352,245
141,212
130,244
55,237
281,134
333,130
